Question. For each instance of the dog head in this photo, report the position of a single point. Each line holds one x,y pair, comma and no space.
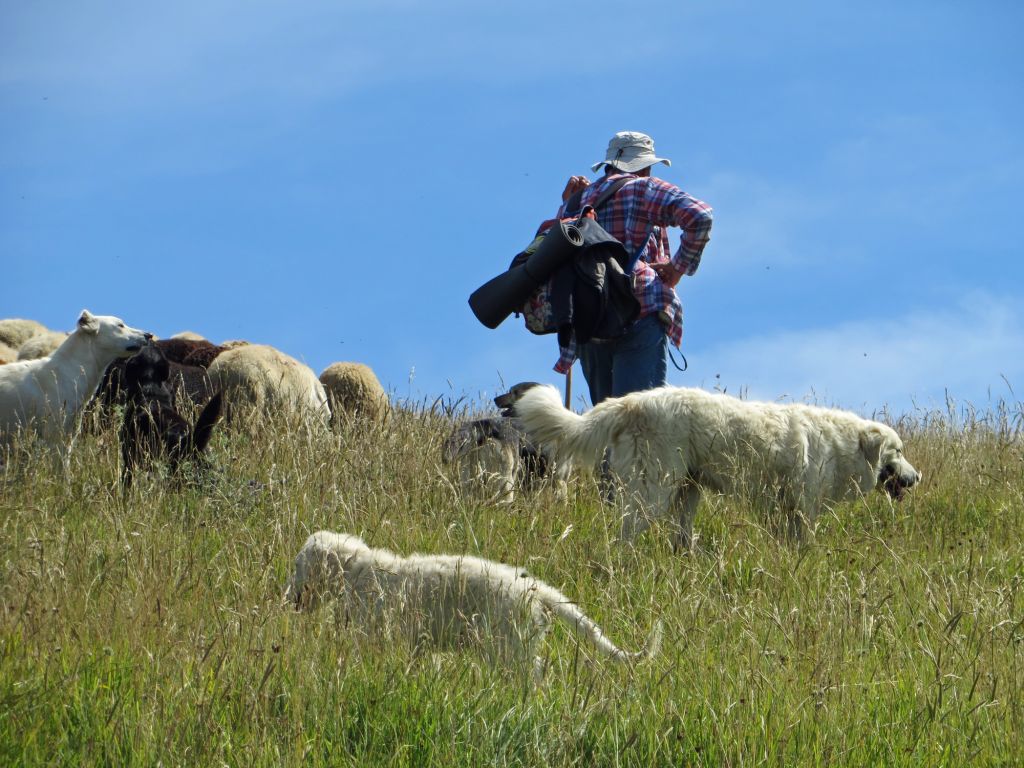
320,568
508,400
475,434
883,450
111,335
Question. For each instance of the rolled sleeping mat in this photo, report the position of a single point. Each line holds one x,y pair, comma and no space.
500,296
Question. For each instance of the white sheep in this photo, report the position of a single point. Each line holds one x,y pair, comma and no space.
353,388
8,354
14,331
41,345
266,380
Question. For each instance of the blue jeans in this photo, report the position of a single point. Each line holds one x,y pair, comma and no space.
630,363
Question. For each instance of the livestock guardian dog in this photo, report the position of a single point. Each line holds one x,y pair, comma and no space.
494,456
447,601
667,445
46,394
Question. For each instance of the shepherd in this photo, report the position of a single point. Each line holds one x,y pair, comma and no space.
638,214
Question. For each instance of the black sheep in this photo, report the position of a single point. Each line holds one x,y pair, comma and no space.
152,427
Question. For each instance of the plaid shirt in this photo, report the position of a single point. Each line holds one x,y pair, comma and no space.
638,215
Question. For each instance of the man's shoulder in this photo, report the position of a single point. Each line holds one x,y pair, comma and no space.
657,183
647,184
624,180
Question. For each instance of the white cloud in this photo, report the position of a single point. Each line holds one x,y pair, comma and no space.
969,351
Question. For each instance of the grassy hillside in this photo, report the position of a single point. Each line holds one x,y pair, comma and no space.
149,629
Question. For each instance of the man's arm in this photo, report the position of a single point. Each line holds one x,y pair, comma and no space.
667,205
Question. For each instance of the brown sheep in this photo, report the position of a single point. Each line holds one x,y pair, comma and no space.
198,352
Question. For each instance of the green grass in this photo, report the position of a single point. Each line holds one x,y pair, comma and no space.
148,629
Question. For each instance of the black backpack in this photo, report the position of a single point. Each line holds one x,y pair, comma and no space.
591,297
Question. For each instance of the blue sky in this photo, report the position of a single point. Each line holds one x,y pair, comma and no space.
335,178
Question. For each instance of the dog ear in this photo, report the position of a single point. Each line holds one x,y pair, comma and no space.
483,431
493,430
871,440
88,323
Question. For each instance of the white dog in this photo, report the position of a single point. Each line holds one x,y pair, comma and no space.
668,444
446,600
46,394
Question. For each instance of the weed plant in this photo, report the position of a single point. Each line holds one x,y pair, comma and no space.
147,628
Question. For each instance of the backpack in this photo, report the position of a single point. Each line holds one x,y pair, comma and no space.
591,297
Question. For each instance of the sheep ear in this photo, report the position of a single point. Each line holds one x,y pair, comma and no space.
871,439
88,323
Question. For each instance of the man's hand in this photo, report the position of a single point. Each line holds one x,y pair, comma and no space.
668,273
574,185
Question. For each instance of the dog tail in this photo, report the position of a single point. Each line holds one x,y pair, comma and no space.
586,628
571,436
208,418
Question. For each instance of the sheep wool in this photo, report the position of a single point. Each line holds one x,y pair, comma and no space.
14,332
42,345
189,336
7,354
354,389
266,380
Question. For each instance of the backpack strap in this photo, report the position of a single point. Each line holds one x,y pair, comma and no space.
573,203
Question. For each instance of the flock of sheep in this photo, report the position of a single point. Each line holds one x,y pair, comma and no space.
253,375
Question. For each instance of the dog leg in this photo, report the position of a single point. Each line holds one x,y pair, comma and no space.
560,480
539,669
634,522
644,501
606,480
796,526
801,512
686,503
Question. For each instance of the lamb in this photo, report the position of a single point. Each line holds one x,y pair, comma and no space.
353,388
264,379
447,600
41,345
46,395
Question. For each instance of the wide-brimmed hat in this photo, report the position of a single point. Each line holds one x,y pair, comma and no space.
630,151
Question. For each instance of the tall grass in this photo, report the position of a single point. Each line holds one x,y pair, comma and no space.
147,628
